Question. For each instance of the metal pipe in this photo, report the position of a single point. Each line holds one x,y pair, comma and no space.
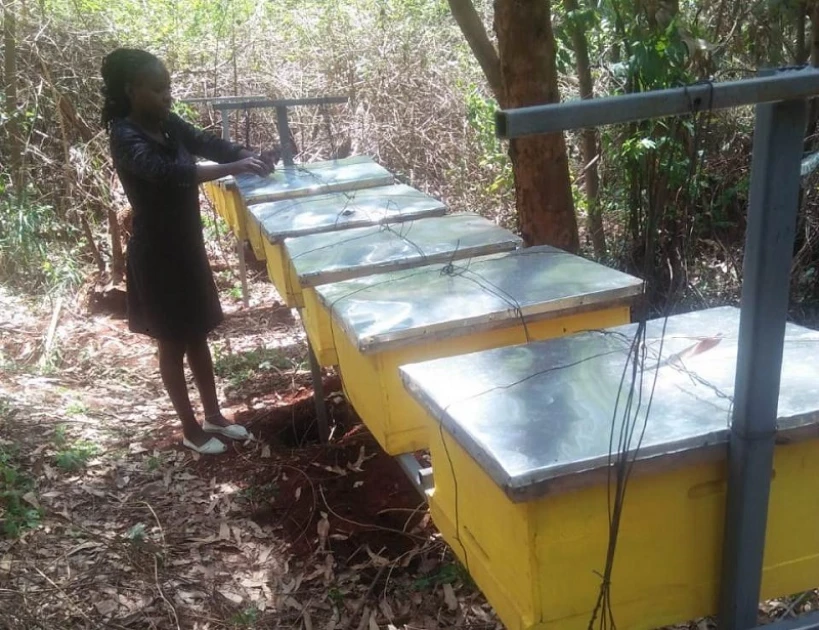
256,102
318,394
774,202
412,469
427,479
579,114
284,135
218,100
809,621
225,124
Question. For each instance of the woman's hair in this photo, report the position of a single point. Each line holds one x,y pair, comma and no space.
119,68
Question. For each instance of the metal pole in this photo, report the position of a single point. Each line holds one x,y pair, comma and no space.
240,251
225,124
257,102
284,134
790,85
805,622
774,196
318,393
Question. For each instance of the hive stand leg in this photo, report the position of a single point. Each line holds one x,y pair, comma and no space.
774,201
240,250
318,393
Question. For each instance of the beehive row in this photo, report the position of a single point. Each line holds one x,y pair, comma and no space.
451,337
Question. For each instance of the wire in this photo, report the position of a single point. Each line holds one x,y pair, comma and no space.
631,412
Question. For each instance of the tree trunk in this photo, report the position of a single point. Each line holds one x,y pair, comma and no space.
801,55
591,179
813,110
472,27
10,84
529,76
117,255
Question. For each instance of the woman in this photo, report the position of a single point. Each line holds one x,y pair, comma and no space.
171,293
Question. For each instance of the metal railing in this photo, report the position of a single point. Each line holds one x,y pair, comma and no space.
781,115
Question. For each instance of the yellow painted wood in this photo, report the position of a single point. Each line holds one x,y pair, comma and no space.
207,189
254,235
222,206
319,327
237,213
373,384
536,561
277,264
295,288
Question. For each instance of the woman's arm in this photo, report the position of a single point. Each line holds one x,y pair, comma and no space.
207,145
231,159
249,164
135,154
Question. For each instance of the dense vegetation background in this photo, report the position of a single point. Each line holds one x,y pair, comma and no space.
420,104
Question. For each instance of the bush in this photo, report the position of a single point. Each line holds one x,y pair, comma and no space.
38,250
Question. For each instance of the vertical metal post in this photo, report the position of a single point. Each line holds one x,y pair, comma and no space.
240,252
284,134
774,195
225,124
318,393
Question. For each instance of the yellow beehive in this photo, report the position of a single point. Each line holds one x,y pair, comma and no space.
384,321
520,451
337,256
315,178
237,194
338,211
234,209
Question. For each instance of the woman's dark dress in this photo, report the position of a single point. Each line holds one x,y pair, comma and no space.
170,287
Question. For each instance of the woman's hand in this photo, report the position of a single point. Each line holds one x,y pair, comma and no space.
270,157
251,165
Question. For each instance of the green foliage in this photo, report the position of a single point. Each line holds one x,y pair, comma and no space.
240,367
18,512
38,249
72,456
137,533
446,574
261,493
480,112
246,618
76,408
154,462
657,61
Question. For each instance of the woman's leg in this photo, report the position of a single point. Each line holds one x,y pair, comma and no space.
201,365
171,355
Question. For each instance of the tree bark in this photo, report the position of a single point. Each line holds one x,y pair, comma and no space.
10,85
529,75
591,179
813,110
801,55
476,36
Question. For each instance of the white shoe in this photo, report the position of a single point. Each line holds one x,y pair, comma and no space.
211,447
232,431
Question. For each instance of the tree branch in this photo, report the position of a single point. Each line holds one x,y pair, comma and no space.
476,36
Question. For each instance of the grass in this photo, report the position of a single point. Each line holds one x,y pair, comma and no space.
154,462
446,574
76,408
242,366
18,509
72,456
260,493
246,618
17,488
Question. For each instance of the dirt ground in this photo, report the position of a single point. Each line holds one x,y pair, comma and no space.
107,522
